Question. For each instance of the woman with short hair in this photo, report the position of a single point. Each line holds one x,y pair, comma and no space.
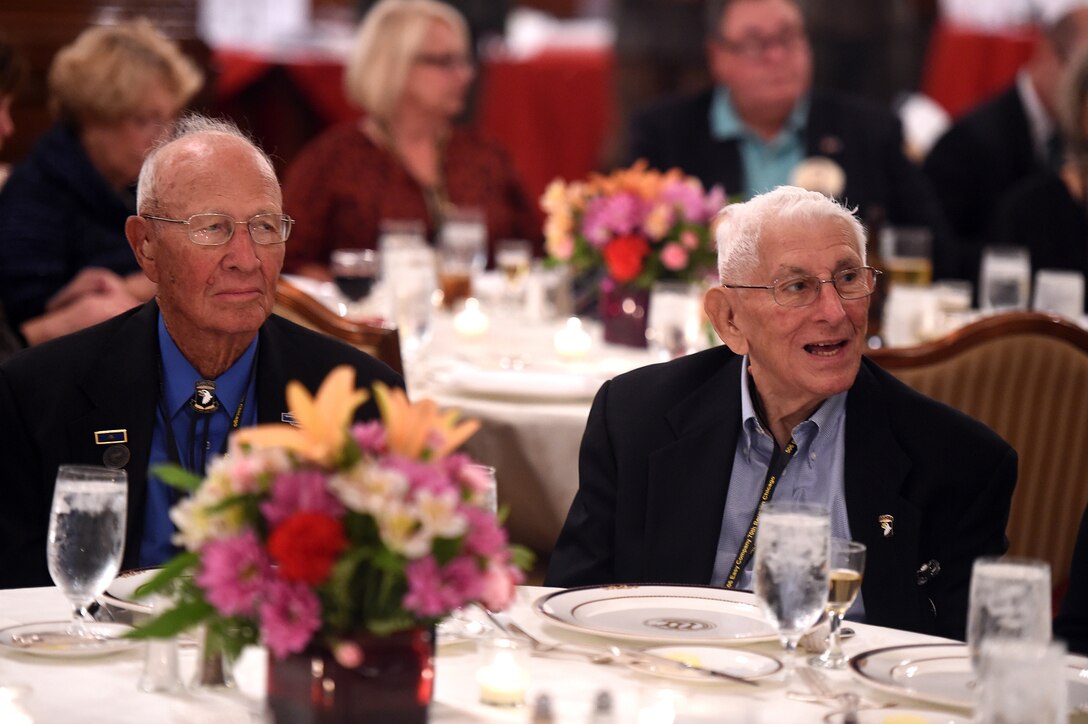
115,91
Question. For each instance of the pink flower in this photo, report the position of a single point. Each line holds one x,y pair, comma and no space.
715,200
462,581
424,595
498,586
290,615
370,436
485,537
301,490
687,197
689,239
420,475
674,256
233,573
606,216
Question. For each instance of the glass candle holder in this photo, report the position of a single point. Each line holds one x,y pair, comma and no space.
503,675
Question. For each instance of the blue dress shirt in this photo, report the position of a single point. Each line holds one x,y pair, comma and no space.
178,385
813,475
767,164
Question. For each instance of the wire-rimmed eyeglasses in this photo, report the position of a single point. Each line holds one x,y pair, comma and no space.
853,283
217,229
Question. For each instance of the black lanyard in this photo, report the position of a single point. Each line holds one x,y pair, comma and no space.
779,460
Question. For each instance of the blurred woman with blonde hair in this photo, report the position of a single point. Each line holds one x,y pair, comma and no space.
410,71
64,260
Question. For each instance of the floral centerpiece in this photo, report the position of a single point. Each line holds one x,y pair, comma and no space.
640,225
309,535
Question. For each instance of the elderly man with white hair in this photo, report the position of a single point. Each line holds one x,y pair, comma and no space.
676,456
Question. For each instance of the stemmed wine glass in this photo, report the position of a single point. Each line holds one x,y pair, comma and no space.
86,536
847,567
791,569
354,271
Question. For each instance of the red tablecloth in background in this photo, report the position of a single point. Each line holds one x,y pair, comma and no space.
965,66
552,112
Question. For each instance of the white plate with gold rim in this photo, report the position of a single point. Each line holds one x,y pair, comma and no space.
941,674
659,613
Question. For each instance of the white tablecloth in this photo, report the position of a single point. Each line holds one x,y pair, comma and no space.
105,689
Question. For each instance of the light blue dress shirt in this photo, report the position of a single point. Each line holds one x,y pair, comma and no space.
814,475
767,164
181,377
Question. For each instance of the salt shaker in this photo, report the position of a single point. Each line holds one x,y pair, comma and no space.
160,672
542,710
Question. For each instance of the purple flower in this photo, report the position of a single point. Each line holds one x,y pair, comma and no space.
715,200
233,573
606,216
421,475
462,581
370,436
300,490
289,616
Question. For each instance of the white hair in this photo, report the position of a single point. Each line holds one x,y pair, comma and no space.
738,228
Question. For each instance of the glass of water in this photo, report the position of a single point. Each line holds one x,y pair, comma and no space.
792,569
86,535
1009,600
674,324
1004,279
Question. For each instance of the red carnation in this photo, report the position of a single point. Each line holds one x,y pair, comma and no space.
623,256
305,546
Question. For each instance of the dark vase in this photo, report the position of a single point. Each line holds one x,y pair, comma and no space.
623,311
392,682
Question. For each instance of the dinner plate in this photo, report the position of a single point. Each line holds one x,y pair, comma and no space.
941,674
51,639
122,590
658,613
516,384
738,662
899,716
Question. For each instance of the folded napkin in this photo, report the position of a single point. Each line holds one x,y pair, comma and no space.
525,384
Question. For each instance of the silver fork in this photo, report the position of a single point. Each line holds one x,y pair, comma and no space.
849,702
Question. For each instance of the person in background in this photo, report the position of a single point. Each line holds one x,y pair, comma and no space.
1048,212
1002,142
761,124
64,262
1071,623
677,456
12,71
410,70
127,393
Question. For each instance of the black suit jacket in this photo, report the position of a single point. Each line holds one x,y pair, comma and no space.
864,139
54,397
972,167
1071,625
656,463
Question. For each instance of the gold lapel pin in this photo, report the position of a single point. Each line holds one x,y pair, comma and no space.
886,524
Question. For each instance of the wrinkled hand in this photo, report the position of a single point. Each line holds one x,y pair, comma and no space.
82,309
92,280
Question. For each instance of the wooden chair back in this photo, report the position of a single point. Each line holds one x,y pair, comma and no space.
379,341
1024,375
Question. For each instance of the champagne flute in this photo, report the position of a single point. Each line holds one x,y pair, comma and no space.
86,536
847,566
791,569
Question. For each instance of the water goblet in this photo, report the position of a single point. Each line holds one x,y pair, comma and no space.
674,325
513,257
1009,600
847,567
1004,279
86,536
791,569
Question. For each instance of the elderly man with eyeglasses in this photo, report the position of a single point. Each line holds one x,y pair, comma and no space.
167,381
676,457
762,125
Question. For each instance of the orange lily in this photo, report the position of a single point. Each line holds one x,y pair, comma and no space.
411,428
323,420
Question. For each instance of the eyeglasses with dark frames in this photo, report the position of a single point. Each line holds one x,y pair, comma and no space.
217,229
853,283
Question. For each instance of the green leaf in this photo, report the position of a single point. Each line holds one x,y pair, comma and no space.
522,557
170,623
399,621
445,549
174,568
177,477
